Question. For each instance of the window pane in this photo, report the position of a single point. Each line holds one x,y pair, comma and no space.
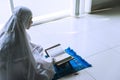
43,7
5,12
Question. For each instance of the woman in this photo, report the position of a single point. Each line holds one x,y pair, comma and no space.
19,58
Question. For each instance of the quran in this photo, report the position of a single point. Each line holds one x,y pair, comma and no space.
58,54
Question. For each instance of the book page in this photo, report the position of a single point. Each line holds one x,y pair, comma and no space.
58,54
61,57
55,51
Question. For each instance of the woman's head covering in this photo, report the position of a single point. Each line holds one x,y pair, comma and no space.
20,18
16,59
23,15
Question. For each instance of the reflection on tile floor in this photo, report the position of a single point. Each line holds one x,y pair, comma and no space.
95,37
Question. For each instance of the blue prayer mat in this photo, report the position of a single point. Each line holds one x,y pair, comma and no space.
74,65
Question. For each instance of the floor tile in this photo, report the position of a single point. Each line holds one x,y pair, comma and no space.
84,41
117,49
106,66
81,76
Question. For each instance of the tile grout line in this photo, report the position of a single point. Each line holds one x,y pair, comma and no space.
102,51
90,75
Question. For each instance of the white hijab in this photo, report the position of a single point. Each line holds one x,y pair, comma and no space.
15,51
17,62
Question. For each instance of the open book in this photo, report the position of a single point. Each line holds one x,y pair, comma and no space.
59,55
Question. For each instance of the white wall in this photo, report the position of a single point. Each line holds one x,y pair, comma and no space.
88,4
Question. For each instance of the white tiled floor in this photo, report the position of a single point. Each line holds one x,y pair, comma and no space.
95,37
